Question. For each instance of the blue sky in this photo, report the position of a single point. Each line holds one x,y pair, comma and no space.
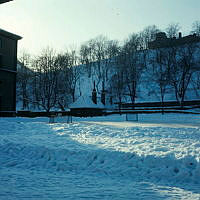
64,23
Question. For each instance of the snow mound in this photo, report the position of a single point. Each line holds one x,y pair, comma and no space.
151,153
101,162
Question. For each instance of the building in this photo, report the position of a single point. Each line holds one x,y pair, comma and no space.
4,1
85,107
162,41
8,69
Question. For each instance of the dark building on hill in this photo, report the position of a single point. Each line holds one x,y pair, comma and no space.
8,69
162,41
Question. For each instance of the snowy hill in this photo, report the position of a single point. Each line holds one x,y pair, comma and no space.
147,88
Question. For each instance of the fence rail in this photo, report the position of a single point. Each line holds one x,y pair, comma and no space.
159,107
188,107
160,104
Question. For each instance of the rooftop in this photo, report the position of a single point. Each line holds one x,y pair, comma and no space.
86,102
4,1
9,35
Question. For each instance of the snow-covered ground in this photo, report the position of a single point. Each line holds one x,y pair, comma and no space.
157,157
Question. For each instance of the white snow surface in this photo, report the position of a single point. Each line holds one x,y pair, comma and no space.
101,158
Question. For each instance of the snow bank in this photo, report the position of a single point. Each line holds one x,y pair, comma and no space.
101,162
111,163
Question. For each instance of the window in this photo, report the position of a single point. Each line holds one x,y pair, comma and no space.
1,43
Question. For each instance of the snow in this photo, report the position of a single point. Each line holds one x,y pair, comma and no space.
101,158
85,102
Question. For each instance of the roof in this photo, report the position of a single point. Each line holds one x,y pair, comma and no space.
9,35
4,1
85,102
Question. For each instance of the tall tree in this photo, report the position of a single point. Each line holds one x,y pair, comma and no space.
24,75
147,35
133,62
173,30
97,54
46,78
112,50
86,56
68,76
161,69
117,86
196,28
183,66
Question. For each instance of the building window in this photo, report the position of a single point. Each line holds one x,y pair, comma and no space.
1,43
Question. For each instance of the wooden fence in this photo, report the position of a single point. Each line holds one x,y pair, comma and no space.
158,107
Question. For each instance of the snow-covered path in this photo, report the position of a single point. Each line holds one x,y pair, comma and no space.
94,159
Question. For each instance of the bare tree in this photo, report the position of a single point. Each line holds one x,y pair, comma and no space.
133,62
161,72
86,56
46,77
147,35
62,63
24,75
196,83
99,47
112,50
68,76
172,30
183,66
196,28
97,54
117,86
